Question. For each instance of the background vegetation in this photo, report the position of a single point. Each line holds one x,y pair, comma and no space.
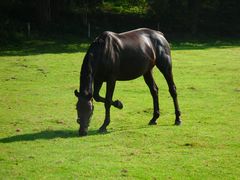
197,17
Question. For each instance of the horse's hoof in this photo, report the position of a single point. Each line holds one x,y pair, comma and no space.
82,133
118,104
178,122
102,130
152,123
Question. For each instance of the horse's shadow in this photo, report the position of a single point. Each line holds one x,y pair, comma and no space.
52,134
47,134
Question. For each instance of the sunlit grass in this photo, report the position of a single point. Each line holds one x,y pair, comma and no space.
38,137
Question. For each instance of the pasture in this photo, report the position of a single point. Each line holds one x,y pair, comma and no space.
39,134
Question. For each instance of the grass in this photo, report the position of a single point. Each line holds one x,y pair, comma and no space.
38,137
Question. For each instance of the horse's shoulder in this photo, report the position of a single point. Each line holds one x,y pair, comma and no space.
106,34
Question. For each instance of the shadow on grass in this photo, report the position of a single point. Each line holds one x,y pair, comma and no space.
46,135
204,44
75,44
52,134
42,46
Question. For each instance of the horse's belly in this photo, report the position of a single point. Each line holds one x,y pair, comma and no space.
124,77
132,69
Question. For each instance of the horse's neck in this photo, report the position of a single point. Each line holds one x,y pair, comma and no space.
86,79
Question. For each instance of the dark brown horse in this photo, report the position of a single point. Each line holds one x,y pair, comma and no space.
125,56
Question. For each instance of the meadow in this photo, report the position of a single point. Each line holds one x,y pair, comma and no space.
39,134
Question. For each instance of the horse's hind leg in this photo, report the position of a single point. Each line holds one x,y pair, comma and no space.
154,92
166,69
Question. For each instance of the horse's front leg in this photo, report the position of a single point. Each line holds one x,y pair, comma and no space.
108,102
97,86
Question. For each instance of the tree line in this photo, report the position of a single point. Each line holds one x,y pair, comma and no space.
176,16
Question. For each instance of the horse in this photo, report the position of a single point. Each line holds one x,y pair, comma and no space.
123,56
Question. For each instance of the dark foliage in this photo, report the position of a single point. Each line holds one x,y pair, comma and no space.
73,16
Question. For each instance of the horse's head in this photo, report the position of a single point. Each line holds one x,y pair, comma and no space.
84,108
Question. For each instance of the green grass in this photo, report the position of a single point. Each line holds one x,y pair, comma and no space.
38,137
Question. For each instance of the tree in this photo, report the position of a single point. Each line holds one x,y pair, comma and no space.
43,8
193,9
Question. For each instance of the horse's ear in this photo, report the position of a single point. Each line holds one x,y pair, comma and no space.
76,93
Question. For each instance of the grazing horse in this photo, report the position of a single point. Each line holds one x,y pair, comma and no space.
119,57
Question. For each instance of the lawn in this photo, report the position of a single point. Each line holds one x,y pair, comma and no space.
39,140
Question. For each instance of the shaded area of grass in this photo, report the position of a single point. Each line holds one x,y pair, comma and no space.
52,134
204,44
47,134
40,135
76,44
41,46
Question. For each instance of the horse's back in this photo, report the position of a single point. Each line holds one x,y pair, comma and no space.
133,53
143,38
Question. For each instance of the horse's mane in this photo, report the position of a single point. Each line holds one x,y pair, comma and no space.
86,77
